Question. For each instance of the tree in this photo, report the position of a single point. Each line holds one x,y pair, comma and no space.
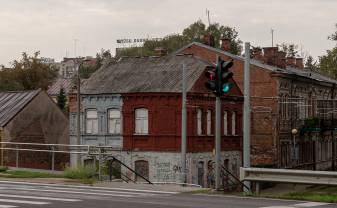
333,36
328,63
290,49
29,73
62,99
193,33
310,64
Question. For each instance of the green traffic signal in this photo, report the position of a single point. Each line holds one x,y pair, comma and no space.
227,87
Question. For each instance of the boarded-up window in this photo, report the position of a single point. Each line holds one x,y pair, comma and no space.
209,122
199,121
142,168
91,122
114,121
225,123
141,121
233,123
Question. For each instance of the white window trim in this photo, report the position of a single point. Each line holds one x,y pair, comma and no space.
209,122
234,116
199,121
92,122
117,131
143,129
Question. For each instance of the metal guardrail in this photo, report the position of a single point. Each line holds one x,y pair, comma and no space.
288,176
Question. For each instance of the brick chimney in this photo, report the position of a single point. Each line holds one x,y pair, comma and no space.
281,59
209,40
299,63
225,44
270,55
160,51
291,61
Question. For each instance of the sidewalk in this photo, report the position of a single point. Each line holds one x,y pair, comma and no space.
107,184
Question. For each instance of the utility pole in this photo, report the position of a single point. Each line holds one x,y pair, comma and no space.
272,37
183,126
247,112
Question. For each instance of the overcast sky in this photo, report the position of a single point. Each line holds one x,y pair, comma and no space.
50,26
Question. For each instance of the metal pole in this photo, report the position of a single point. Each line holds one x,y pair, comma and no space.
217,142
17,157
183,127
52,159
78,142
246,113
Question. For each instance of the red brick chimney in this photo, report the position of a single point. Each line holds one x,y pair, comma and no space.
291,61
209,40
225,44
299,63
270,55
281,59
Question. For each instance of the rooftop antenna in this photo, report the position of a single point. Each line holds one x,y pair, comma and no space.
208,18
272,37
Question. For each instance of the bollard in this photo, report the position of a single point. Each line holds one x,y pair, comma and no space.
257,188
17,156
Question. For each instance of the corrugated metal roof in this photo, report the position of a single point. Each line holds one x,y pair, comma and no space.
12,103
64,83
288,70
149,74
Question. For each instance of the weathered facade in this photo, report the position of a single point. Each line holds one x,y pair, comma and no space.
283,94
136,103
32,117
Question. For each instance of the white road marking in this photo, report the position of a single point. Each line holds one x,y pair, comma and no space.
90,187
39,197
71,192
23,201
7,206
278,207
310,204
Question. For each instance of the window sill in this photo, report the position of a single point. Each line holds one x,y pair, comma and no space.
138,134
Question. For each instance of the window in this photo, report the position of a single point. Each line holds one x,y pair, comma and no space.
209,122
141,121
225,123
199,120
233,123
114,121
91,122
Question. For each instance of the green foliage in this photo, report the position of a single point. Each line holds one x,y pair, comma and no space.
328,63
333,36
311,64
290,49
329,198
81,172
193,33
30,174
3,169
27,74
62,99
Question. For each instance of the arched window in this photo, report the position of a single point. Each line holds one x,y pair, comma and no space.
199,122
141,121
209,122
114,122
225,123
91,122
233,123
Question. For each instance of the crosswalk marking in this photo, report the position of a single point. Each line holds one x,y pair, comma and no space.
310,204
39,197
24,202
7,206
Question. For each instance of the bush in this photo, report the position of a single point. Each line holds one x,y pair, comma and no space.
81,172
3,169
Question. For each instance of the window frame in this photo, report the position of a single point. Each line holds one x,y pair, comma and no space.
199,122
141,132
233,120
225,123
109,120
209,122
87,119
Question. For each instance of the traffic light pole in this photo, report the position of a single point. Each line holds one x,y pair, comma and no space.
246,113
217,141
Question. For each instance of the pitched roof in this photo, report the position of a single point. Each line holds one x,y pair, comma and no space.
149,74
289,70
64,83
12,103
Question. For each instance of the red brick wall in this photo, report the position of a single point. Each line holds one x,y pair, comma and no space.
165,123
264,125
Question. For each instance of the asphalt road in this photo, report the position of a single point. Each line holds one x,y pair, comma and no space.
20,194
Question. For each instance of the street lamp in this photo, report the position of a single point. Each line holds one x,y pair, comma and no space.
294,132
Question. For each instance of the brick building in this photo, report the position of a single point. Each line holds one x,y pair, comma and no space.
284,95
135,105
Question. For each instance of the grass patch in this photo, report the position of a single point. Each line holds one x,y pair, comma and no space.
29,174
307,196
81,172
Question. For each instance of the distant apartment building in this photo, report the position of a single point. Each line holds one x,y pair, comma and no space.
68,66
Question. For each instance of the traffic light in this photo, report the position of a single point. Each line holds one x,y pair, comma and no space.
211,83
224,75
